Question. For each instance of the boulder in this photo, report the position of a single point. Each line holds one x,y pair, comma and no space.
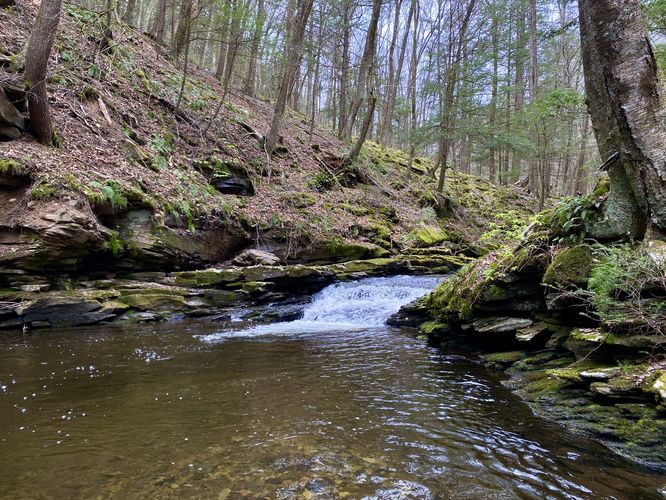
570,267
9,133
253,257
9,115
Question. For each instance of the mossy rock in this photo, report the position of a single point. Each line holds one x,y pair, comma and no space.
208,277
433,328
570,267
372,266
504,358
155,302
656,384
429,236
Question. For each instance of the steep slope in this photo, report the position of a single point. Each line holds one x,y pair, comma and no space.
145,180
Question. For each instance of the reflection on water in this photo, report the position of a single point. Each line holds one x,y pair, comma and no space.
153,411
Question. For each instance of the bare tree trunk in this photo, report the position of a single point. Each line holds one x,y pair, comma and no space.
130,12
224,43
36,63
412,83
452,77
391,77
394,82
519,86
533,80
365,128
344,72
157,29
317,69
627,117
494,36
582,155
251,79
182,36
364,68
294,52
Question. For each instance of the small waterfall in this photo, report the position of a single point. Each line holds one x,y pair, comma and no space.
362,304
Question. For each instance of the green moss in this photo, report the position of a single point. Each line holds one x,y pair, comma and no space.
428,236
540,385
602,187
300,200
432,328
570,267
43,191
10,167
504,358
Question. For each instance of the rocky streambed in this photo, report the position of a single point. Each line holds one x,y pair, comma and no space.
43,300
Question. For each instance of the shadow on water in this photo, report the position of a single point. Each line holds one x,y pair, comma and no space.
334,405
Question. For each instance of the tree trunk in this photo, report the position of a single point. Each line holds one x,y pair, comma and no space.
395,81
365,128
36,62
344,72
624,104
251,79
582,155
413,69
130,12
494,36
533,80
364,69
157,29
224,43
445,130
519,92
182,36
294,51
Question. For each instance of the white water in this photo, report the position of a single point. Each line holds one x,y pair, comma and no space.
355,305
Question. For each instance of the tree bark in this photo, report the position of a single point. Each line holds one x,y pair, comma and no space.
394,81
624,104
364,68
157,29
344,71
452,78
251,79
36,63
182,36
294,52
130,12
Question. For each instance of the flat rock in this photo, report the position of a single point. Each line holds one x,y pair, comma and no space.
9,115
501,324
601,374
63,310
531,332
592,335
9,132
253,257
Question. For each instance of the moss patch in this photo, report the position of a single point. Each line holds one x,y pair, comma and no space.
570,266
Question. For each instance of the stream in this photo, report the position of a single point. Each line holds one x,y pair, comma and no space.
333,405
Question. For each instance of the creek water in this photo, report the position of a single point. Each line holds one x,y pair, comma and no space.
334,405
